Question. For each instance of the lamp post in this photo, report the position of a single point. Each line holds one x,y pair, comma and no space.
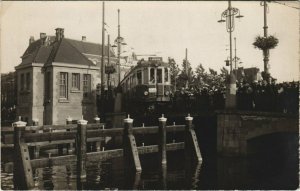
229,15
266,51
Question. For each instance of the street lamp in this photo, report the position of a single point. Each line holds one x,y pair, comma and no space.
228,17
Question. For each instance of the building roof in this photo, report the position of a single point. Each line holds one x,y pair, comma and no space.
65,51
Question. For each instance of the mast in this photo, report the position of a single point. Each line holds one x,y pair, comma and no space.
230,33
186,68
108,63
235,58
266,52
103,47
119,48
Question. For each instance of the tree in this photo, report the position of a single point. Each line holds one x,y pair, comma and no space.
174,71
224,72
186,76
213,72
200,77
199,70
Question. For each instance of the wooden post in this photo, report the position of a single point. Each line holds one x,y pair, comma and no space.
162,140
163,177
81,148
131,155
70,146
191,147
36,149
97,144
23,179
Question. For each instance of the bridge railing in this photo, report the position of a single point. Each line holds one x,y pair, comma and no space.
82,134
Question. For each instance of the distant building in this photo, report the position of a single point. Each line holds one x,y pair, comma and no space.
8,96
58,77
248,74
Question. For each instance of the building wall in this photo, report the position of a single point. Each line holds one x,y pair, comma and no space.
24,98
76,105
38,94
48,102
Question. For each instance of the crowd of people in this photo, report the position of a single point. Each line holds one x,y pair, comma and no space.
273,97
256,96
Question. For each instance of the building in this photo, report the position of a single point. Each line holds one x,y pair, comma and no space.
58,77
248,74
8,97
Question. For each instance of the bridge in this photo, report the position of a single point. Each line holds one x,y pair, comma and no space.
235,129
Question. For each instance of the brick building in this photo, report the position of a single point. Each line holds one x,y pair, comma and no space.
58,77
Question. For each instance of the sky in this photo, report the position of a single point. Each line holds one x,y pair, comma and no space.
162,28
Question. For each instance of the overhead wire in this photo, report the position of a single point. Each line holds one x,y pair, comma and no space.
281,3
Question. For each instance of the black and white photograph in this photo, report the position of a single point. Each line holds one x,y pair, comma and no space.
149,95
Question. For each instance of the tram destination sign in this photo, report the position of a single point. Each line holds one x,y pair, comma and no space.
155,58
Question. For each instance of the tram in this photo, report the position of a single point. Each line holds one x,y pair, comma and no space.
147,86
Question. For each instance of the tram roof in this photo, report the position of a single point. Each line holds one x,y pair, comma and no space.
144,64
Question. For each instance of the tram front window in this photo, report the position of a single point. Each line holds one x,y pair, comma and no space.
159,75
166,75
152,78
139,77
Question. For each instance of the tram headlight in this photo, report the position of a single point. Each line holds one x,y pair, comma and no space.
146,93
167,93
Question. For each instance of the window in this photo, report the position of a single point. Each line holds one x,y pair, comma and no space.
166,75
159,75
27,81
22,82
76,81
86,84
152,74
63,85
139,77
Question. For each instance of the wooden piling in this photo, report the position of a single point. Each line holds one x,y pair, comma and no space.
23,178
81,148
36,149
97,144
191,147
131,156
70,146
162,140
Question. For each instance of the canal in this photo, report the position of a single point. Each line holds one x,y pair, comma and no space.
274,166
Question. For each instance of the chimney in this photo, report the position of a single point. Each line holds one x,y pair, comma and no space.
59,34
42,35
83,38
31,40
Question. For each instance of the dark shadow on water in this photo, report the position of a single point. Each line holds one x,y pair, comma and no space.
273,165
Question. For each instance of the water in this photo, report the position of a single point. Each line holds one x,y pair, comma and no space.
277,170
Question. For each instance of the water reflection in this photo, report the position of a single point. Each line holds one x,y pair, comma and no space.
47,178
258,172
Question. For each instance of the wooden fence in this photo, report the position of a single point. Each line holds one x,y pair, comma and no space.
83,133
